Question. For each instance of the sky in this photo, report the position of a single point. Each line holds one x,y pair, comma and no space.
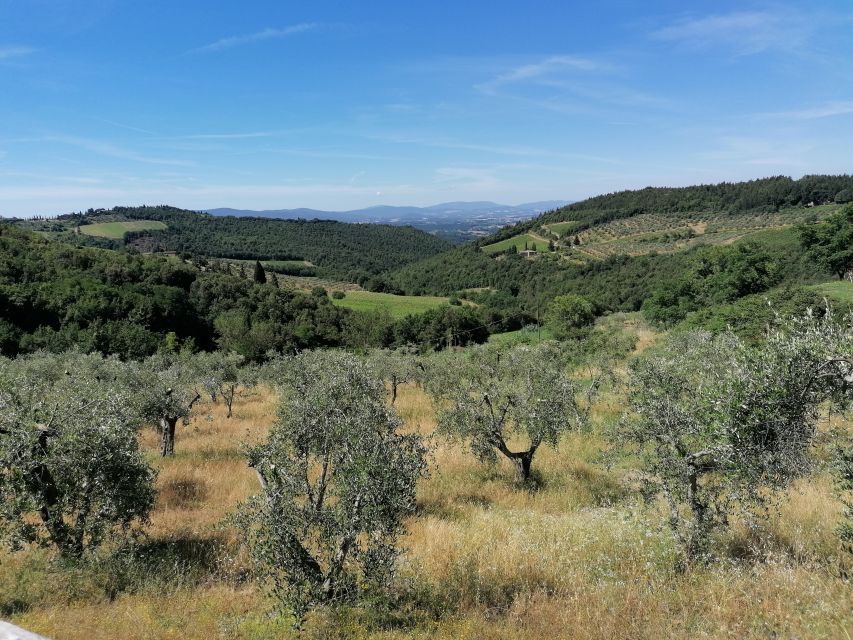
342,105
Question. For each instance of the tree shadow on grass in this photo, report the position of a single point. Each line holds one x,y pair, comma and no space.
164,564
36,578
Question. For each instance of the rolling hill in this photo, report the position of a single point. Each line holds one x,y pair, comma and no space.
619,249
354,252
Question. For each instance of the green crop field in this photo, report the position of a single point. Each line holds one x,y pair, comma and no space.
116,230
839,290
518,241
560,228
397,306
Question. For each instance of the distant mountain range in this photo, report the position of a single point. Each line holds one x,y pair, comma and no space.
458,221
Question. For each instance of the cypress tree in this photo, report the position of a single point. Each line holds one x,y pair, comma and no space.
260,275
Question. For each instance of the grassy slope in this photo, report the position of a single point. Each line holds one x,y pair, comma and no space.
518,241
839,290
116,230
581,558
560,227
397,306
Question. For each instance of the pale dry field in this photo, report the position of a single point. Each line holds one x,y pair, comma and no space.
583,557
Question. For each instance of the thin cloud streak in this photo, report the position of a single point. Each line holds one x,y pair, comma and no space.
509,150
827,110
266,34
111,150
539,70
7,53
744,32
570,85
234,136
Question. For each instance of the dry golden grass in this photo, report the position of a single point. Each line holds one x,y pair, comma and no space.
199,614
582,557
208,477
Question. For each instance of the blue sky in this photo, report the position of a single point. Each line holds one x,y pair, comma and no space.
340,105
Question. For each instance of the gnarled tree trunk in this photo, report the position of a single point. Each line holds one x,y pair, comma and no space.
167,435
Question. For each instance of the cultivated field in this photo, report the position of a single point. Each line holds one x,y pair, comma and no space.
583,557
519,242
560,228
116,230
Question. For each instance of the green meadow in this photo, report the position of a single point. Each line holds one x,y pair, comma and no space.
518,241
116,230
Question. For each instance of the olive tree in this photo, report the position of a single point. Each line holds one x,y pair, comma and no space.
222,375
720,424
337,479
488,396
71,471
395,367
169,389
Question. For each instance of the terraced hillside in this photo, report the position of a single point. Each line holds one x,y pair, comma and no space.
647,233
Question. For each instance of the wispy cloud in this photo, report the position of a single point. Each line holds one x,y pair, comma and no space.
7,53
258,36
542,71
752,150
826,110
234,136
570,85
113,151
121,125
501,150
743,32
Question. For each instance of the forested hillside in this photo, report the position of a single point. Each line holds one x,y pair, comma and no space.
351,252
56,296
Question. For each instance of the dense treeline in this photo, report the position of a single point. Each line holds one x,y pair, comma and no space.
338,249
55,296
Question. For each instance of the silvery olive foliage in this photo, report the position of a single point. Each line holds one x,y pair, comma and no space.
396,367
720,424
71,471
223,375
337,480
168,387
488,396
